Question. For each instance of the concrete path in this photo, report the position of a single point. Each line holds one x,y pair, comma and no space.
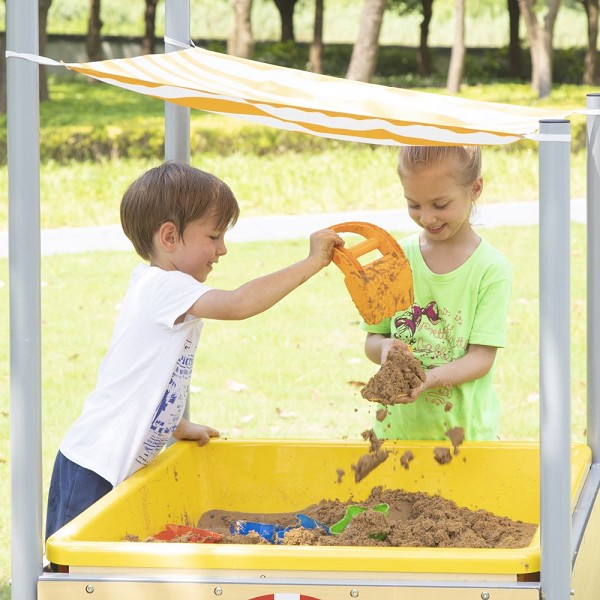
69,240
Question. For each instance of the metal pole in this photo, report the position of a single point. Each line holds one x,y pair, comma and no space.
25,299
555,343
177,118
593,278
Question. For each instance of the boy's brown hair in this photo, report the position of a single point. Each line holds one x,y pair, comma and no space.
411,159
177,193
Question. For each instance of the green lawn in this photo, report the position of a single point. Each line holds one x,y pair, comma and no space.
309,349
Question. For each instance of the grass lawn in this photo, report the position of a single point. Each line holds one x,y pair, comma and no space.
309,349
347,177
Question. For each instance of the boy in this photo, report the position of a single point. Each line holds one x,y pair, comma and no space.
176,217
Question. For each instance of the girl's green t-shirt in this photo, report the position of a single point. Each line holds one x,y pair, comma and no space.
466,306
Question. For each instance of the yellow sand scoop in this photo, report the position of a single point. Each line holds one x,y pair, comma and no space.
382,287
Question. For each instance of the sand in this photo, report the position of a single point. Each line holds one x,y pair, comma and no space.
396,378
415,519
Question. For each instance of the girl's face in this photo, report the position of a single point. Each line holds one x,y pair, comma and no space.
438,203
200,246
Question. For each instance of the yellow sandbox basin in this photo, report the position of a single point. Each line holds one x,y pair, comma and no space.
262,476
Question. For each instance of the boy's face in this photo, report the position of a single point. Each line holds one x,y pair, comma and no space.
200,246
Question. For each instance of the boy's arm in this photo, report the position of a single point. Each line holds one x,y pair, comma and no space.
474,364
187,430
262,293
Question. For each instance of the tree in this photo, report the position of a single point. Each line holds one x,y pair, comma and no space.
540,34
240,41
363,60
590,68
425,7
149,27
315,54
286,12
93,39
457,57
3,73
43,8
423,56
514,38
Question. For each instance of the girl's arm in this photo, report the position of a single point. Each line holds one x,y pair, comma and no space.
474,364
262,293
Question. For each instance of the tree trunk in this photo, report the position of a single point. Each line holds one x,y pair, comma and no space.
93,41
3,73
514,43
366,49
423,56
590,69
286,12
540,42
43,8
240,41
150,27
457,57
315,55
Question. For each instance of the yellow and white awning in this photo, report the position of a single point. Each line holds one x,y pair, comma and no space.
316,104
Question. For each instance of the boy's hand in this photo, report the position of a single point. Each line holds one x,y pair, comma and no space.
322,243
193,431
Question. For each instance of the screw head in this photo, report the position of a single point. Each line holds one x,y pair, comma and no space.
89,588
485,596
354,593
218,591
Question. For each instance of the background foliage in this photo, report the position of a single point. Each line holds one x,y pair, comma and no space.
486,22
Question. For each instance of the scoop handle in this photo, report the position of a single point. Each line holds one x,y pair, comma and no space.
376,238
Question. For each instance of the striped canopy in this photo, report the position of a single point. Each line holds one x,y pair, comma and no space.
319,105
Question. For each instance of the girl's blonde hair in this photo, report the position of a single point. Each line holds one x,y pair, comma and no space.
412,159
177,193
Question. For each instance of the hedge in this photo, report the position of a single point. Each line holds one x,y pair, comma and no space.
396,66
66,144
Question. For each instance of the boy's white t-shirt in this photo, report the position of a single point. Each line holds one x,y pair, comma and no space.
143,381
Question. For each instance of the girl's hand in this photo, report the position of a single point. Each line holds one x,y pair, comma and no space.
193,431
418,390
321,245
474,364
432,380
389,344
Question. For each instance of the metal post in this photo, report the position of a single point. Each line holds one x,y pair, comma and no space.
177,118
555,342
25,299
593,277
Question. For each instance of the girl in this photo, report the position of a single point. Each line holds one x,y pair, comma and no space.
458,320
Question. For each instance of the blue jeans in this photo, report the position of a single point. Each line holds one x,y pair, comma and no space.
73,489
